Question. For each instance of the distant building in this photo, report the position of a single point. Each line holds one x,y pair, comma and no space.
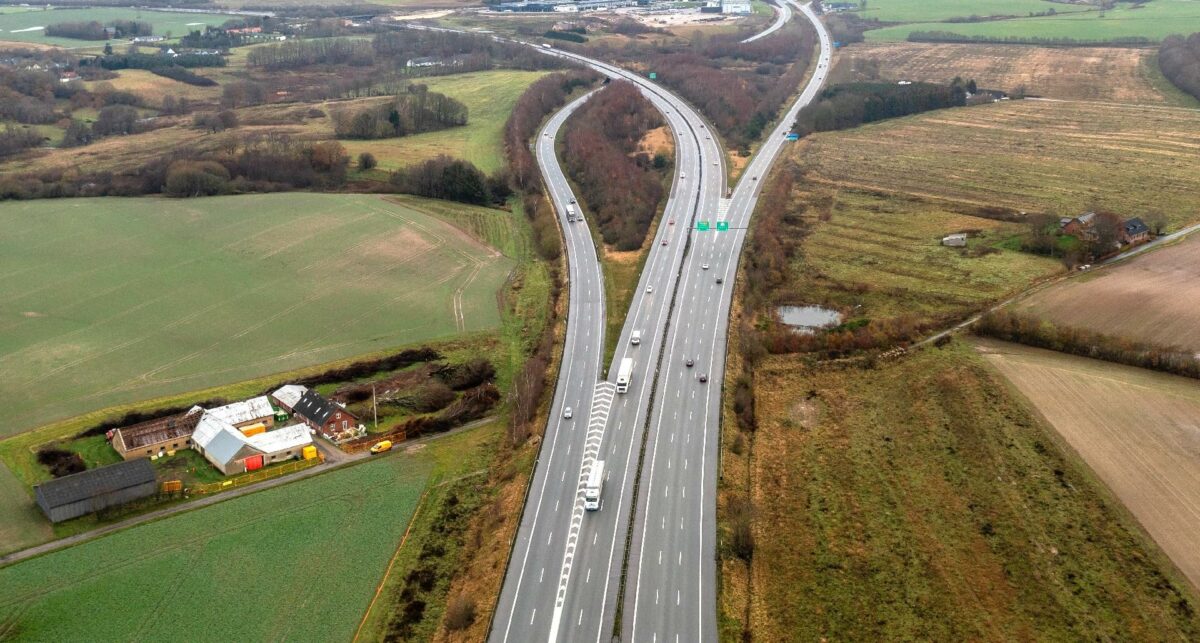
288,395
244,30
958,240
331,420
142,39
90,491
232,451
257,410
1081,226
427,61
1134,231
157,436
736,7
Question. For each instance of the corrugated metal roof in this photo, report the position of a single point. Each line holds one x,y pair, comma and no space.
95,482
289,395
228,445
289,437
245,411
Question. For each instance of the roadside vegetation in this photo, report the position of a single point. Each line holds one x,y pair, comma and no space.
920,499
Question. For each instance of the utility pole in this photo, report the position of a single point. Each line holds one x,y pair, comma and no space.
374,407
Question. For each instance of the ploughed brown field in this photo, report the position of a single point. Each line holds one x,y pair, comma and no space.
1154,297
1113,74
1137,429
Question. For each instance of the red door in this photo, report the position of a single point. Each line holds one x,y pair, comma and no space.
254,462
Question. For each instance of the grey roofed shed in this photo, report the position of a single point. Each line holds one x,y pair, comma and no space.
90,491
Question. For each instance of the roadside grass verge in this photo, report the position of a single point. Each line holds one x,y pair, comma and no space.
920,499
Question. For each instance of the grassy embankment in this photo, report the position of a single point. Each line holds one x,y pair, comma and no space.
25,26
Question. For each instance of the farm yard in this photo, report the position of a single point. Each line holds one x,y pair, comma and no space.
1153,20
934,505
1112,74
299,561
26,26
112,301
1135,428
1059,157
1154,297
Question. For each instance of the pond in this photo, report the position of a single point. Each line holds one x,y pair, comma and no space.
806,319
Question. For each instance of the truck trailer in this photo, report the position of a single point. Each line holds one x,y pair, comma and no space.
624,375
593,486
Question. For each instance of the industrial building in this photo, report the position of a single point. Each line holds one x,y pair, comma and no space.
232,450
90,491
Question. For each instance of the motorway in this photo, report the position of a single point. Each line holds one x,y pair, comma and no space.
564,576
671,585
783,13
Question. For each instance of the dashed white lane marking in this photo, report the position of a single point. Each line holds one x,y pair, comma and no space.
602,399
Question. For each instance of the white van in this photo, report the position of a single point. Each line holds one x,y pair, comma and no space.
635,338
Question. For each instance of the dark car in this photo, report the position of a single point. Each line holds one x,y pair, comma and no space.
690,362
703,378
720,280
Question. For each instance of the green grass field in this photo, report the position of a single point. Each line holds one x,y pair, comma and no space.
296,562
110,301
932,10
1155,20
489,97
25,26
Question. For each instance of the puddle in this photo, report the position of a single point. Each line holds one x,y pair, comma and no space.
806,319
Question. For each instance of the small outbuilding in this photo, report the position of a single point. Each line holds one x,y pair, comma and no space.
288,396
957,240
90,491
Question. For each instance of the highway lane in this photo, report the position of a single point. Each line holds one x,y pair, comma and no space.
565,570
783,13
671,584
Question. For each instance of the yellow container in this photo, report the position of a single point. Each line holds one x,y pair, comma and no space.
254,429
310,452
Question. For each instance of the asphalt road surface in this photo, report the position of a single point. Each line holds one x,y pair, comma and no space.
671,585
564,576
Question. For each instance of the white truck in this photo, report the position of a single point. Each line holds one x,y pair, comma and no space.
593,486
624,375
570,213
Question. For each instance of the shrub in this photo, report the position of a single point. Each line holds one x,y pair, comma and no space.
366,161
196,178
460,613
60,462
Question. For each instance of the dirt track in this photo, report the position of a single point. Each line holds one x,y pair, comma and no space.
1138,430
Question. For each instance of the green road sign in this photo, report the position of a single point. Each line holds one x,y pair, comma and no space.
701,225
653,76
722,226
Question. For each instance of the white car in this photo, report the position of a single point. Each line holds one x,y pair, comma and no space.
649,289
567,413
704,266
716,162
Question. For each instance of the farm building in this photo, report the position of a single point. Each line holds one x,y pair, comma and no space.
156,436
90,491
1081,226
333,421
288,396
1134,231
232,451
955,240
247,413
